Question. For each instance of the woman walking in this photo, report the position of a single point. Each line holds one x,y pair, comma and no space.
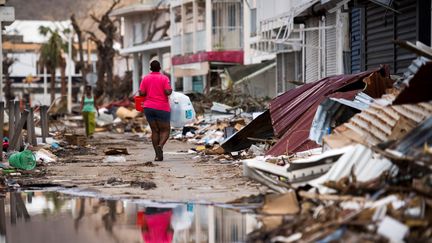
88,110
156,88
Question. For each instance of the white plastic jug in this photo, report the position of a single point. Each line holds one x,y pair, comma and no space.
182,111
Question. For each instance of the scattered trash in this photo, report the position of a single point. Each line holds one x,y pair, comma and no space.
104,118
24,160
74,139
116,151
45,156
394,230
149,164
281,204
124,113
146,185
114,159
182,110
114,181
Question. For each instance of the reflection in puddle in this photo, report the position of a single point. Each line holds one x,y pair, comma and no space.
41,217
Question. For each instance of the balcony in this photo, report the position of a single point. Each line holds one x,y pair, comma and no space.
176,48
186,46
227,38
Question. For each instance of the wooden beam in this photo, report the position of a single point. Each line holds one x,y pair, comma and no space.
14,144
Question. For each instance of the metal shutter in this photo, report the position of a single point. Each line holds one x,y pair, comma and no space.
356,39
312,53
378,37
330,46
287,69
406,25
381,27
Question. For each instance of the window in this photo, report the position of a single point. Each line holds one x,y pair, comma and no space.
253,22
177,21
232,16
179,84
214,21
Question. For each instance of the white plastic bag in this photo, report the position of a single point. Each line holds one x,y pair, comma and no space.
182,111
114,159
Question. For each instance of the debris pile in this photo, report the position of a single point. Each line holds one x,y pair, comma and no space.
233,98
351,159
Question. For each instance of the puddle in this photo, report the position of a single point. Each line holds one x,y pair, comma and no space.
51,216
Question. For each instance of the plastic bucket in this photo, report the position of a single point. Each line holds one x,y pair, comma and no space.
139,103
24,160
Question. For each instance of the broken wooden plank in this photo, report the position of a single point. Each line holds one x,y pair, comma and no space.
14,144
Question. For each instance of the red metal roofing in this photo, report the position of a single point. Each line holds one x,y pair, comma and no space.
419,87
292,112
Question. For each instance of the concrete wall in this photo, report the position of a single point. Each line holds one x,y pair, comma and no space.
263,85
136,27
271,8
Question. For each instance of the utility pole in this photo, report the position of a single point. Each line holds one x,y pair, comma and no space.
69,93
7,16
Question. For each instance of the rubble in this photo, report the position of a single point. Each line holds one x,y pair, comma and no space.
370,174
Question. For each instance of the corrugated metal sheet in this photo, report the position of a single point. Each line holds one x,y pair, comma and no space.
414,141
364,163
361,102
356,39
292,113
330,48
336,110
260,127
405,23
379,48
380,124
382,27
413,69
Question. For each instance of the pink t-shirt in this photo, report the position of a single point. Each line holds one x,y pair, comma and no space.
154,85
158,228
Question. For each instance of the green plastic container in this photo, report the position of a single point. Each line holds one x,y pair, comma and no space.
24,160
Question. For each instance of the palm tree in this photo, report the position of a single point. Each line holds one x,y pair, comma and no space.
52,57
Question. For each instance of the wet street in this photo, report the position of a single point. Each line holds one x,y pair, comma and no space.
50,216
181,177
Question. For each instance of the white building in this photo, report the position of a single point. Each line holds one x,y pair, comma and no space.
207,37
308,45
22,43
146,36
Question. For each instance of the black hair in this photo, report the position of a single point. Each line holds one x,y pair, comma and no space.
155,66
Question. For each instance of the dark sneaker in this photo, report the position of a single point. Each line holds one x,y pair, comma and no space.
159,153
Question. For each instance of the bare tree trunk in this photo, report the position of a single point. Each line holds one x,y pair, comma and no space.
106,52
63,78
100,84
52,89
7,63
110,76
81,64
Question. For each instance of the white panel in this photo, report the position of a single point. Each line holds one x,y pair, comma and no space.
330,36
24,65
270,8
312,52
